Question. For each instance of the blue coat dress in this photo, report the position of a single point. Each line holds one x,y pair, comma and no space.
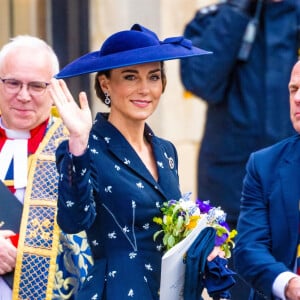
109,193
269,220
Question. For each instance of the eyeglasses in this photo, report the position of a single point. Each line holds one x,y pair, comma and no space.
14,86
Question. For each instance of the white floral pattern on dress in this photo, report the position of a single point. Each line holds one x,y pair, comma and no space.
131,293
95,243
83,171
94,151
112,273
128,227
107,139
132,243
132,255
112,235
159,247
148,267
140,185
126,161
108,189
160,164
70,203
146,226
95,137
125,229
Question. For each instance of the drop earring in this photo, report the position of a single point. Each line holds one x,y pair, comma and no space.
107,99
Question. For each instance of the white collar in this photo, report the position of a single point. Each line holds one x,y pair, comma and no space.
15,148
15,134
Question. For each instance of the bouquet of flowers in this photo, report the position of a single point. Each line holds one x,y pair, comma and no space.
181,216
182,223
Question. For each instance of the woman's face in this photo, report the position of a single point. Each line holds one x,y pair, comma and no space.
134,91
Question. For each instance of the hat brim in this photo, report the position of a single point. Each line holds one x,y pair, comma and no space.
93,62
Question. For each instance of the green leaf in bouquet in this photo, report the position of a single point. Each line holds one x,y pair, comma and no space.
179,223
156,234
171,241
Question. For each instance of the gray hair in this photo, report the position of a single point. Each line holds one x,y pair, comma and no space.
31,42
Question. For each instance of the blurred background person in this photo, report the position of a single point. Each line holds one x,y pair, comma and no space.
244,83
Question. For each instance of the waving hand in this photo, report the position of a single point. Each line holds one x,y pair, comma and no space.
77,119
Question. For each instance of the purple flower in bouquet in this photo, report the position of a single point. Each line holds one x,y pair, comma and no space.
204,206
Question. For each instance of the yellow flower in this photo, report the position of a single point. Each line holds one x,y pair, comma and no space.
157,220
193,222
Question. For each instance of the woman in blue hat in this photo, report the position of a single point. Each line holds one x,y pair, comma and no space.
116,173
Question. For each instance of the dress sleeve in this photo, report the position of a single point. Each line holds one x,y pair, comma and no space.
76,205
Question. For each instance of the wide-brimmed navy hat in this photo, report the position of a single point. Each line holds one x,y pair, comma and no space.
131,47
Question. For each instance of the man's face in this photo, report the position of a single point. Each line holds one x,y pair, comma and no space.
24,109
294,90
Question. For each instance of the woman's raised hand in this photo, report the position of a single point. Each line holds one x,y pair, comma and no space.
77,119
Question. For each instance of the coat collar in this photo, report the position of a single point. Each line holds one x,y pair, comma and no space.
122,150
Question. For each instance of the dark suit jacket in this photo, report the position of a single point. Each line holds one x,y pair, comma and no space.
269,219
109,193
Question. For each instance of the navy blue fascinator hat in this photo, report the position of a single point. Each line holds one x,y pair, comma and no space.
131,47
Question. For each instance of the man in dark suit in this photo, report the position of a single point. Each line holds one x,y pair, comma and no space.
268,225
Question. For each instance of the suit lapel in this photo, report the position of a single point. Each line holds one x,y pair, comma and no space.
290,180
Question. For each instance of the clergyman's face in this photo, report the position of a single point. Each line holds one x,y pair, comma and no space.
22,110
